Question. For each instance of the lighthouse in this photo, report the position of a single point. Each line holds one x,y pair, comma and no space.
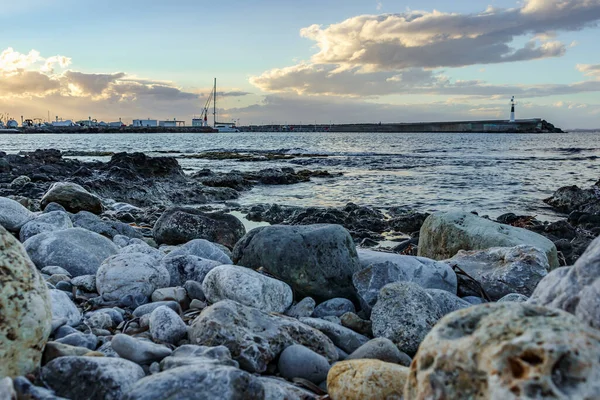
512,109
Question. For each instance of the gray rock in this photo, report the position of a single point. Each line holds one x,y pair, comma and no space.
19,182
204,249
100,321
79,339
197,304
110,229
134,274
85,282
63,331
166,326
380,269
107,350
297,361
444,234
53,269
316,260
58,278
94,378
276,389
187,268
344,338
47,222
77,250
304,308
194,290
513,297
148,308
26,390
63,307
504,270
381,349
473,300
209,382
180,225
404,313
115,314
248,287
121,241
334,307
177,294
72,197
54,207
190,355
446,301
144,249
13,215
137,350
253,337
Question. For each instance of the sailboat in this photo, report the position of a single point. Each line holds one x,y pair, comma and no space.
217,126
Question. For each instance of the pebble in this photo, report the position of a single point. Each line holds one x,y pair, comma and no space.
166,326
334,307
344,338
297,361
148,308
304,308
139,351
79,339
194,290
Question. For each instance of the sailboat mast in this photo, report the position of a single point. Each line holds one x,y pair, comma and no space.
215,104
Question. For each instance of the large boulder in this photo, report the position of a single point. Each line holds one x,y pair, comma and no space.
47,222
574,289
25,310
72,197
503,270
13,215
316,260
509,351
180,225
77,250
445,233
255,338
247,287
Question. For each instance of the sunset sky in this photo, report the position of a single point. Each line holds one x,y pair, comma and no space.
284,61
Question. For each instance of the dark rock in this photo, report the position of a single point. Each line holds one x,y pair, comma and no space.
357,324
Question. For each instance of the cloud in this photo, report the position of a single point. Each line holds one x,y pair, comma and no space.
234,93
592,70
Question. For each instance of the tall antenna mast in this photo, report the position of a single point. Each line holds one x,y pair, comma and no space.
512,109
215,104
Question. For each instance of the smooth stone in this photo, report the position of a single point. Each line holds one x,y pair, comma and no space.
72,197
121,241
93,378
63,307
366,379
444,234
248,287
194,290
304,308
254,337
187,268
139,351
148,308
77,250
143,248
190,355
166,326
357,324
13,215
25,309
404,314
47,222
277,389
198,305
55,270
297,361
54,207
85,282
315,260
79,339
509,351
446,301
177,294
381,349
342,337
334,307
54,350
63,331
513,297
107,228
202,248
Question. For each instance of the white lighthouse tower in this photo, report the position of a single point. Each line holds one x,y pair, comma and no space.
512,109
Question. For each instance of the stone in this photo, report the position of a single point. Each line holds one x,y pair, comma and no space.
57,278
380,269
509,351
54,350
72,197
137,350
446,301
144,249
85,282
107,350
77,250
166,326
100,320
7,390
297,361
79,339
13,215
54,207
94,378
53,269
187,268
25,310
357,324
47,222
304,308
177,294
148,308
473,300
277,389
204,249
63,331
180,225
247,287
107,228
210,382
445,233
334,307
344,338
255,338
198,304
381,349
516,297
63,307
134,274
26,390
194,290
574,289
366,379
404,314
315,260
190,355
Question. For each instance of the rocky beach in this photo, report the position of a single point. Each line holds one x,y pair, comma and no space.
133,278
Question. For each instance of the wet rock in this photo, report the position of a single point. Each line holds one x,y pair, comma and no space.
212,382
514,297
133,274
381,349
107,228
137,350
407,221
25,309
446,301
404,314
96,378
357,324
342,337
190,355
572,198
304,308
444,234
255,338
180,225
166,326
64,308
335,307
507,350
366,379
72,197
13,215
297,361
77,250
202,248
316,260
47,222
247,287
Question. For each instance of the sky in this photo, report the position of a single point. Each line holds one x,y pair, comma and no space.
310,61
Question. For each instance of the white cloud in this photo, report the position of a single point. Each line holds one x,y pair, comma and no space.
592,70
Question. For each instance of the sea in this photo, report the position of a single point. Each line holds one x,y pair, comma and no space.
491,174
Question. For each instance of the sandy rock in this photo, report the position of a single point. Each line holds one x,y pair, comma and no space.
139,351
366,379
508,351
381,349
47,222
166,326
13,215
25,309
247,287
72,197
297,361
